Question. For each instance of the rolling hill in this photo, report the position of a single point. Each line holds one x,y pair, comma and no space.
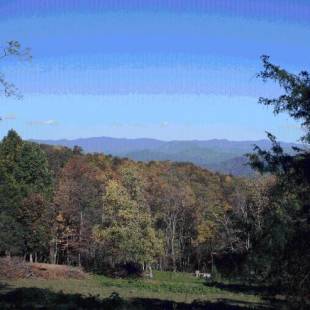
219,155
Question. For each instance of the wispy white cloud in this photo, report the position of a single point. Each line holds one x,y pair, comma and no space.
49,122
119,125
8,117
164,124
291,126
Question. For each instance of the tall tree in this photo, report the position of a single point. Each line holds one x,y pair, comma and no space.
286,237
126,232
76,209
25,187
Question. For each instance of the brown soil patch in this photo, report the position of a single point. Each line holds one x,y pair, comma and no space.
16,268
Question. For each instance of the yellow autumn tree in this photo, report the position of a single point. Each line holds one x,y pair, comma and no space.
126,231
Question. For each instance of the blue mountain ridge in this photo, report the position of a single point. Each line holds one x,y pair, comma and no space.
220,155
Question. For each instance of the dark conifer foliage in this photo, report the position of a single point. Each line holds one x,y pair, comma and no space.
284,249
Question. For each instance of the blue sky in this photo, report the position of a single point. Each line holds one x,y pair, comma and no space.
160,69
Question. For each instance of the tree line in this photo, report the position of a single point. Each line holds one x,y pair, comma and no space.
66,207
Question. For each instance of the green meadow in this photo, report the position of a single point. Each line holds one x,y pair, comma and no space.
164,290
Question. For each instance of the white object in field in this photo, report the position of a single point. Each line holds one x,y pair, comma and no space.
206,275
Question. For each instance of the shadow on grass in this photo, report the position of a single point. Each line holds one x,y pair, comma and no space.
34,298
4,287
244,288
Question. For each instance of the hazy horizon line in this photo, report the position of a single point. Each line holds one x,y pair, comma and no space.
162,140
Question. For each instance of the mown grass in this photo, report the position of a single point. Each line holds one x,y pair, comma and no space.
178,287
165,283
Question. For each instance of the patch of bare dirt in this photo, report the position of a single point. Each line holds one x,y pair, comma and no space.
16,268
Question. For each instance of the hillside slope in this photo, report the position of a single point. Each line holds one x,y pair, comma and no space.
219,155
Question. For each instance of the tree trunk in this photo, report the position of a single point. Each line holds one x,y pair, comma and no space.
30,258
172,246
53,251
79,259
80,238
212,264
150,272
51,254
67,252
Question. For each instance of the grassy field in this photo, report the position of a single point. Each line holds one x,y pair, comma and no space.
181,288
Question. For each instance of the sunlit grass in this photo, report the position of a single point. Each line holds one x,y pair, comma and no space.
179,287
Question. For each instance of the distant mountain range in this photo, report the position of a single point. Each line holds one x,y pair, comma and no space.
219,155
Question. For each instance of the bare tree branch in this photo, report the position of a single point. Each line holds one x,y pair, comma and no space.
13,49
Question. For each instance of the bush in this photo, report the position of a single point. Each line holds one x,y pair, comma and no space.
127,270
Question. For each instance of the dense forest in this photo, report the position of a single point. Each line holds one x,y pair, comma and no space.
95,210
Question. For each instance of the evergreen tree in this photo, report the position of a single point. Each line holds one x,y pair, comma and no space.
25,187
285,244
